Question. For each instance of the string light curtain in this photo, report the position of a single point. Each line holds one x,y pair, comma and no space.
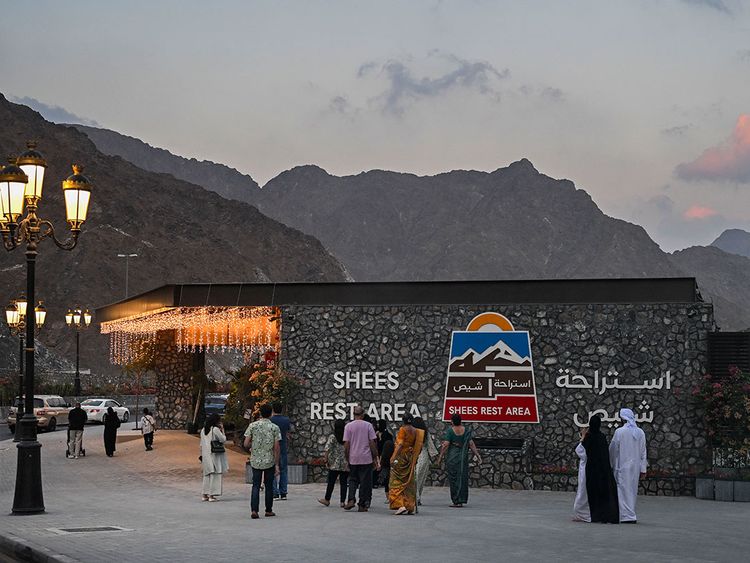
196,329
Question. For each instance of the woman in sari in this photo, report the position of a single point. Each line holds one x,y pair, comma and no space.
457,443
403,484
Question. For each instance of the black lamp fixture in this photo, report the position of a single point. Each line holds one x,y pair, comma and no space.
21,182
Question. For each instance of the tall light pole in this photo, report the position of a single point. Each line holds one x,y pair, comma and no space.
21,184
127,260
79,320
15,315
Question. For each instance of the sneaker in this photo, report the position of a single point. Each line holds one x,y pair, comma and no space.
282,497
275,497
325,502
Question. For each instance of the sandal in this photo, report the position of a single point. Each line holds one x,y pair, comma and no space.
213,499
401,511
205,498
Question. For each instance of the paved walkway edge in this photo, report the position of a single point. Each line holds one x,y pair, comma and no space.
13,546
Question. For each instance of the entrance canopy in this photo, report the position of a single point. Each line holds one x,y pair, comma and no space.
245,316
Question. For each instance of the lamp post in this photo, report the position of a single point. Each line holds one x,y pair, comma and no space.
15,315
127,260
79,320
21,184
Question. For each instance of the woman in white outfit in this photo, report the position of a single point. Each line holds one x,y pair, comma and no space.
214,463
423,461
581,511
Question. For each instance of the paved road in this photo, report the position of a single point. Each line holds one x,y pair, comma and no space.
155,497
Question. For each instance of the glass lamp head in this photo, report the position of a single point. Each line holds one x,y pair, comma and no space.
33,165
11,315
87,317
77,190
77,317
12,187
40,312
69,317
21,304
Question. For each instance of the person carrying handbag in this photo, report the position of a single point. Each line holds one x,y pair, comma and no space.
213,457
148,427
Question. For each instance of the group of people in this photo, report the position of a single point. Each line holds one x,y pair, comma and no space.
77,419
266,441
363,452
608,475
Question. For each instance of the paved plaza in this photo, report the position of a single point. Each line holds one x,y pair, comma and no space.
155,498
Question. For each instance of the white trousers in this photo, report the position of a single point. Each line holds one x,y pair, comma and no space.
212,484
76,440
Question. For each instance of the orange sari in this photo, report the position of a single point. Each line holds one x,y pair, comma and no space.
403,483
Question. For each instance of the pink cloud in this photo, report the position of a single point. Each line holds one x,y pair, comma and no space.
727,162
699,212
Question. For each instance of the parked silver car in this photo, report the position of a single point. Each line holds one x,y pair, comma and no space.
50,411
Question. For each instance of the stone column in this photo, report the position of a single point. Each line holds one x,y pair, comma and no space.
178,374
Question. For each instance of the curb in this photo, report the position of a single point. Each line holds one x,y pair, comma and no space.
22,550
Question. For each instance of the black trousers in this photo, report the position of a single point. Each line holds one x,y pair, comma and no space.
360,477
343,477
267,476
148,440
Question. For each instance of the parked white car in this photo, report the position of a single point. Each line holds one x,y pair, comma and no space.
96,409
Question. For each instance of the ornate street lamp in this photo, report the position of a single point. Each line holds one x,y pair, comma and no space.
21,184
15,316
80,321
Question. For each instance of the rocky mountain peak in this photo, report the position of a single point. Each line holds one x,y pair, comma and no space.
734,241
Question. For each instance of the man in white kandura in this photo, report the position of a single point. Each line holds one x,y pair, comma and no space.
627,455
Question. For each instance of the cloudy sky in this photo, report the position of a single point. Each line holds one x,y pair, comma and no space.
643,103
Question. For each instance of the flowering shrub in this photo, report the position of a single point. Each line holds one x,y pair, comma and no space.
726,409
252,386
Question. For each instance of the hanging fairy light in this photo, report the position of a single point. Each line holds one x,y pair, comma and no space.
196,329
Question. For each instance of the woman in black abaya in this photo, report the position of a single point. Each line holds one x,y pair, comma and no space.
601,487
111,424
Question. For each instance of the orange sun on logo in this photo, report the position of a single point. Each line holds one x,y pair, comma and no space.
491,322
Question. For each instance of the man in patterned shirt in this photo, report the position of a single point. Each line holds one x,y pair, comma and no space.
262,440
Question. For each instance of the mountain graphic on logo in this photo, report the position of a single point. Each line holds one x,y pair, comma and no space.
492,359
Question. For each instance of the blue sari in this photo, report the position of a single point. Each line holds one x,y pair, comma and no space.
457,465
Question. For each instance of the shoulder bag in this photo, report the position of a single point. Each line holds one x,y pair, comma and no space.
217,446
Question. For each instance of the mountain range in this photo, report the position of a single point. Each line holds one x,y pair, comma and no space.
198,221
180,231
513,223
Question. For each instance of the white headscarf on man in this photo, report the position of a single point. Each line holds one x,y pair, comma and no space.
629,417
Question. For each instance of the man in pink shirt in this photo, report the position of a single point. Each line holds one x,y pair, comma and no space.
361,452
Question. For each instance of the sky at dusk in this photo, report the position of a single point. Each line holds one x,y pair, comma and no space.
645,104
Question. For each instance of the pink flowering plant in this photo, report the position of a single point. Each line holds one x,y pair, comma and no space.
725,403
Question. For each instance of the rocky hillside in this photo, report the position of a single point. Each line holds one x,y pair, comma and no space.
510,223
225,181
723,278
181,232
734,241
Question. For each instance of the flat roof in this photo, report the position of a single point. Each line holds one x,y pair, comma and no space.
563,291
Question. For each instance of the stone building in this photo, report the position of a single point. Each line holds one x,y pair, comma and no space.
595,345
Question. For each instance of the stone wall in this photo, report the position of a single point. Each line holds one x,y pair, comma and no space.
638,341
176,373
